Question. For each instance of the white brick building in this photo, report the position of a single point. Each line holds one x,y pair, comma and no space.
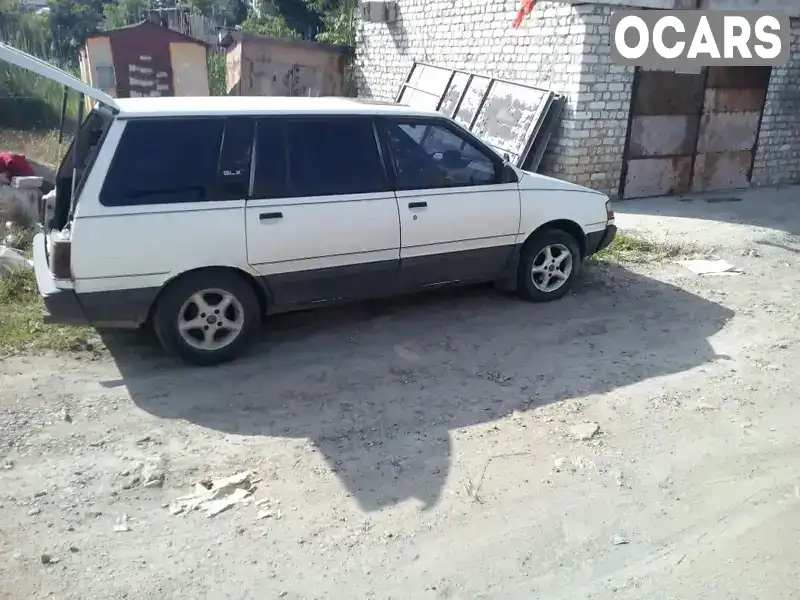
566,47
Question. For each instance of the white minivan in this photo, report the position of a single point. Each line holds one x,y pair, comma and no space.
198,216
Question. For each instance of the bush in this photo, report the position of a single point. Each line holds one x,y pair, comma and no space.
217,73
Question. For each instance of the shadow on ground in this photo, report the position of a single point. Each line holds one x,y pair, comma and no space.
771,208
379,386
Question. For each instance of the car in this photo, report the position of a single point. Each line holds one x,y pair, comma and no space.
199,216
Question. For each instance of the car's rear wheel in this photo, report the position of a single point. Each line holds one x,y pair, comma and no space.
549,263
207,317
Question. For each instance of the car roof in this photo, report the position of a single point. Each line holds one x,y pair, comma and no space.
189,106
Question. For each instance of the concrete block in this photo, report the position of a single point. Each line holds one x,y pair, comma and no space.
27,183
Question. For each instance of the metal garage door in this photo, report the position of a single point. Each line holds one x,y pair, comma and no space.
692,131
733,102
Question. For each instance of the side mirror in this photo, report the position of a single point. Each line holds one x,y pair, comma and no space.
508,174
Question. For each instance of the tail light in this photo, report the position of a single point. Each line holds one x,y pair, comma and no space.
61,258
609,211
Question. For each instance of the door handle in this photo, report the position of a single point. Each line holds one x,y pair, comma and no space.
275,215
417,204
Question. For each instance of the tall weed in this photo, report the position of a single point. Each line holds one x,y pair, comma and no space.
27,100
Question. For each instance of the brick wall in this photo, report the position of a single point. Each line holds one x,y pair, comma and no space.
778,153
560,46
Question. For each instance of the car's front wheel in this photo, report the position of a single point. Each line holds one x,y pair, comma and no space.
549,263
207,317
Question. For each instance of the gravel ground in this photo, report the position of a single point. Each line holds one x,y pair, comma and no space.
637,439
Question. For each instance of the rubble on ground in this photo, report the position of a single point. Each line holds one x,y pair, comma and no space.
24,185
11,260
216,496
584,431
15,236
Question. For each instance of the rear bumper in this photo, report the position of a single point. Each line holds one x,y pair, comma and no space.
598,240
61,306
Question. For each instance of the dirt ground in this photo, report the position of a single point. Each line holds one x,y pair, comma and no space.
638,439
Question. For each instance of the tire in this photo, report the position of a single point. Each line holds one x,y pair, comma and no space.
182,322
534,286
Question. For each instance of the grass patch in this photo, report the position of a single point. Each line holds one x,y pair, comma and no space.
22,329
635,249
41,146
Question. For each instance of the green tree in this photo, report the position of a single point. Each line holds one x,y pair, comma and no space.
71,21
207,8
234,12
339,23
300,15
270,23
124,12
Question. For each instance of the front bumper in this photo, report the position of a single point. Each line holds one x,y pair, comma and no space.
598,240
61,305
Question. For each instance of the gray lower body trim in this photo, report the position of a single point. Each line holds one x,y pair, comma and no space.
303,289
598,240
118,308
318,286
130,308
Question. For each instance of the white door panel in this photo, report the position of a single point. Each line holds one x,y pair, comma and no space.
462,234
458,219
322,232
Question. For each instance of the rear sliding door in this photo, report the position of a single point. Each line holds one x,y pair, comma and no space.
322,223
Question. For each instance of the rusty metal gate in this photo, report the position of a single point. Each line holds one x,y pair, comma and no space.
692,132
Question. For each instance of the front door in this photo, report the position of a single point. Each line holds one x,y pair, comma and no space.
458,221
321,222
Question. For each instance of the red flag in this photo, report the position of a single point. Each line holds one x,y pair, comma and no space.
524,10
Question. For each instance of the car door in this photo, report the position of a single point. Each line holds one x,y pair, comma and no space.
459,215
321,221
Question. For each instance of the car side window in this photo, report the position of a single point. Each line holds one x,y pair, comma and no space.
334,156
317,157
432,155
162,161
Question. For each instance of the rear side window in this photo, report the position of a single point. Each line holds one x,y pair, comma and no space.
317,157
166,162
